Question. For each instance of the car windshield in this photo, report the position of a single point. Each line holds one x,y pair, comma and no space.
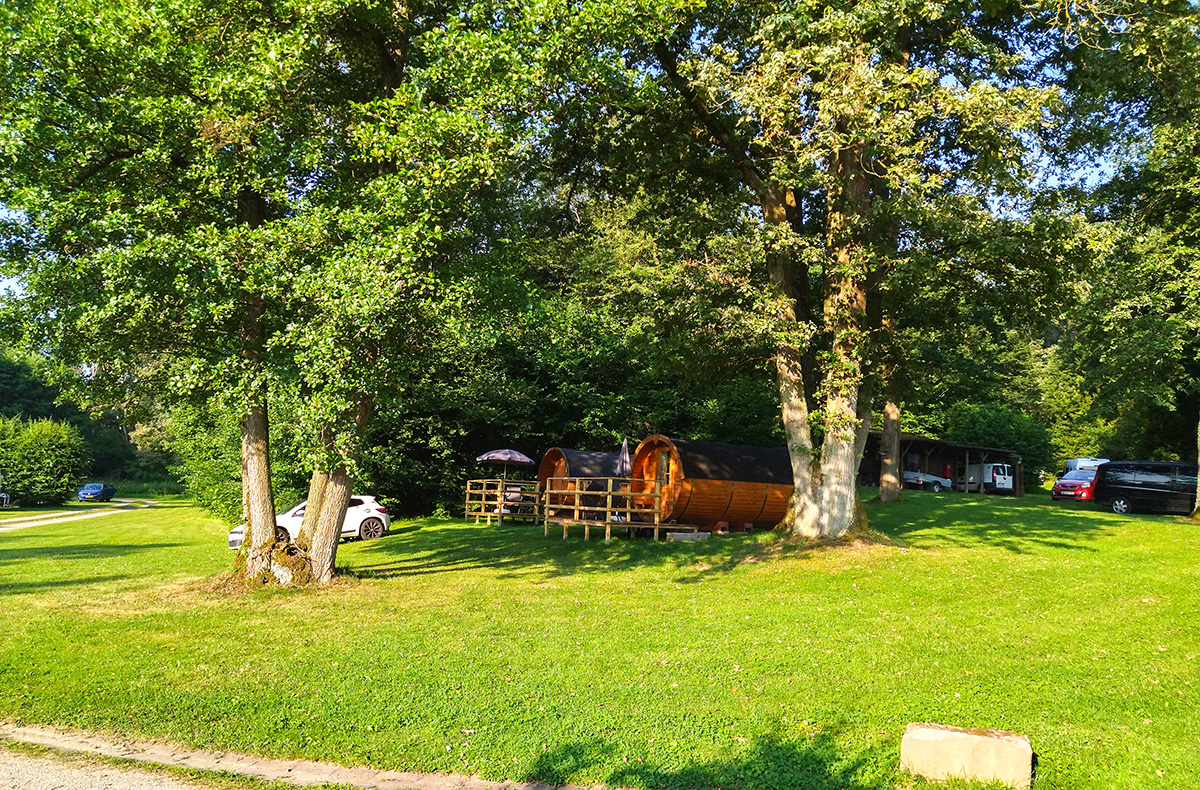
93,487
1080,474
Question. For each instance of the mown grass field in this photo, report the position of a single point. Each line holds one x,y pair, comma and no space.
734,663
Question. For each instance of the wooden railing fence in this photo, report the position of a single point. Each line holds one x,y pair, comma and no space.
515,500
591,501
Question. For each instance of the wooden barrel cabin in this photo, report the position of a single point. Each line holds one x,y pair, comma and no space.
565,462
705,484
559,462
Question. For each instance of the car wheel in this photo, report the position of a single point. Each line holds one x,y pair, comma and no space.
281,535
936,488
1120,505
370,529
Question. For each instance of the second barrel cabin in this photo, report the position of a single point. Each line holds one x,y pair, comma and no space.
706,484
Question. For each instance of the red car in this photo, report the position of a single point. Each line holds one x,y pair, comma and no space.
1075,485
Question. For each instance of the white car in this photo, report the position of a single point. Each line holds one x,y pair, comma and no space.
365,519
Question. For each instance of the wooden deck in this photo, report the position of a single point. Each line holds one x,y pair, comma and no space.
592,502
500,499
588,502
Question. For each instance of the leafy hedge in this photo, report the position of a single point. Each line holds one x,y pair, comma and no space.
42,462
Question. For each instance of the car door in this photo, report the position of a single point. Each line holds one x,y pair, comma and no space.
1184,497
292,519
1153,488
354,517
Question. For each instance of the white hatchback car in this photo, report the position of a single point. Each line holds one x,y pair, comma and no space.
365,519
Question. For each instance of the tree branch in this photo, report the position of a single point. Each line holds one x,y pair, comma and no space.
741,157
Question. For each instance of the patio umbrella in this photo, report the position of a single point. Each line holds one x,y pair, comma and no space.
624,463
505,457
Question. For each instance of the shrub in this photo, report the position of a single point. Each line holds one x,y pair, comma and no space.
42,462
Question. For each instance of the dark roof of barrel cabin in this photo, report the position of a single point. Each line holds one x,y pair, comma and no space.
587,463
712,461
917,438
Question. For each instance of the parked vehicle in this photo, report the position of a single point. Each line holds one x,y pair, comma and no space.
96,492
366,519
928,482
1128,486
1076,464
996,478
1079,484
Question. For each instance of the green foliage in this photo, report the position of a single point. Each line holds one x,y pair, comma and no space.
992,425
207,442
28,389
42,462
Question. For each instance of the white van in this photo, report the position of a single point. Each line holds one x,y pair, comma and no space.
1086,464
996,478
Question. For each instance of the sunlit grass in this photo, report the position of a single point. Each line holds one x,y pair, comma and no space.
733,663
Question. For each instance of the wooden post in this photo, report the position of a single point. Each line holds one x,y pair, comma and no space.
608,516
467,508
657,506
546,508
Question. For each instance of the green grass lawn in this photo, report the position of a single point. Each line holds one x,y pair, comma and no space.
723,664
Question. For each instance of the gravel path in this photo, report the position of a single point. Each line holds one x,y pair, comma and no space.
24,772
296,772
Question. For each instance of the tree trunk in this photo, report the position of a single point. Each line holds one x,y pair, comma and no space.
789,369
329,525
1196,509
260,523
312,508
889,477
845,313
328,532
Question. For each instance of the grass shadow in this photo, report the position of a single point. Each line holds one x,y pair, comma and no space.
17,588
769,763
449,545
85,551
921,521
1023,525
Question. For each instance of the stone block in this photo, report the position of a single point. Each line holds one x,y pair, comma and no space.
687,536
938,752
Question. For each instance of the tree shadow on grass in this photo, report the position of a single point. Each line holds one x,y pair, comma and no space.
17,588
768,764
1022,526
85,551
448,545
921,522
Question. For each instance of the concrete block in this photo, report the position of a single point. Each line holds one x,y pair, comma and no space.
938,752
687,536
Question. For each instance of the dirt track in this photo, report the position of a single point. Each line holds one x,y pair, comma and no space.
62,516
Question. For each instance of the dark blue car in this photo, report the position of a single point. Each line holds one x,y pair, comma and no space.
96,492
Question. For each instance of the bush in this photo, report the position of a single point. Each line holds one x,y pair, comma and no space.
42,462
